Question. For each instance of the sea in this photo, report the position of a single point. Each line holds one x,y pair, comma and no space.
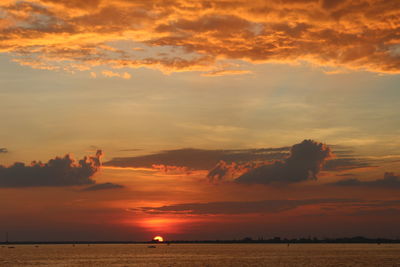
335,255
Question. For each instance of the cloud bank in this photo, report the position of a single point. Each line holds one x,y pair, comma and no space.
56,172
227,165
304,163
199,159
204,35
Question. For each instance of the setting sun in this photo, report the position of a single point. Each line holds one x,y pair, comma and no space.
158,239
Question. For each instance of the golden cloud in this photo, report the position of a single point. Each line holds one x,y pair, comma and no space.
203,35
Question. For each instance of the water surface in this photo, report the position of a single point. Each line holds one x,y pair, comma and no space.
334,255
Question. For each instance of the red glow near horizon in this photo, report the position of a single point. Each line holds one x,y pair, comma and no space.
162,224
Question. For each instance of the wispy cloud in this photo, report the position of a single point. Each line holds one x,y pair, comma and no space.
239,207
225,72
124,75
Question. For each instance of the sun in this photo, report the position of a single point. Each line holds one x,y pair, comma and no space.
158,238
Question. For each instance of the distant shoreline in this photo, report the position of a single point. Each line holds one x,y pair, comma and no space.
276,240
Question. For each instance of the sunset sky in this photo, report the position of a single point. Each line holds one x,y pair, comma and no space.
206,119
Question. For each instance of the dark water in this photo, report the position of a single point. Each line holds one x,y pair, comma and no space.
203,255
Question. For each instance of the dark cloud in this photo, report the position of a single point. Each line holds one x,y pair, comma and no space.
56,172
3,150
304,163
231,207
199,159
104,186
390,180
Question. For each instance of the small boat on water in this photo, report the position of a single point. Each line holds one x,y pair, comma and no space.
151,246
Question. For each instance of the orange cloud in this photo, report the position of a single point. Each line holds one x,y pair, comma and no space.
168,169
185,35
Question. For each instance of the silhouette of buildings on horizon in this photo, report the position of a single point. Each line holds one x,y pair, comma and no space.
246,240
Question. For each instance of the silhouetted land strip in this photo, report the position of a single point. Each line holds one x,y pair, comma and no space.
247,240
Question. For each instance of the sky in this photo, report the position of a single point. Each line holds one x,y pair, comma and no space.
127,119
